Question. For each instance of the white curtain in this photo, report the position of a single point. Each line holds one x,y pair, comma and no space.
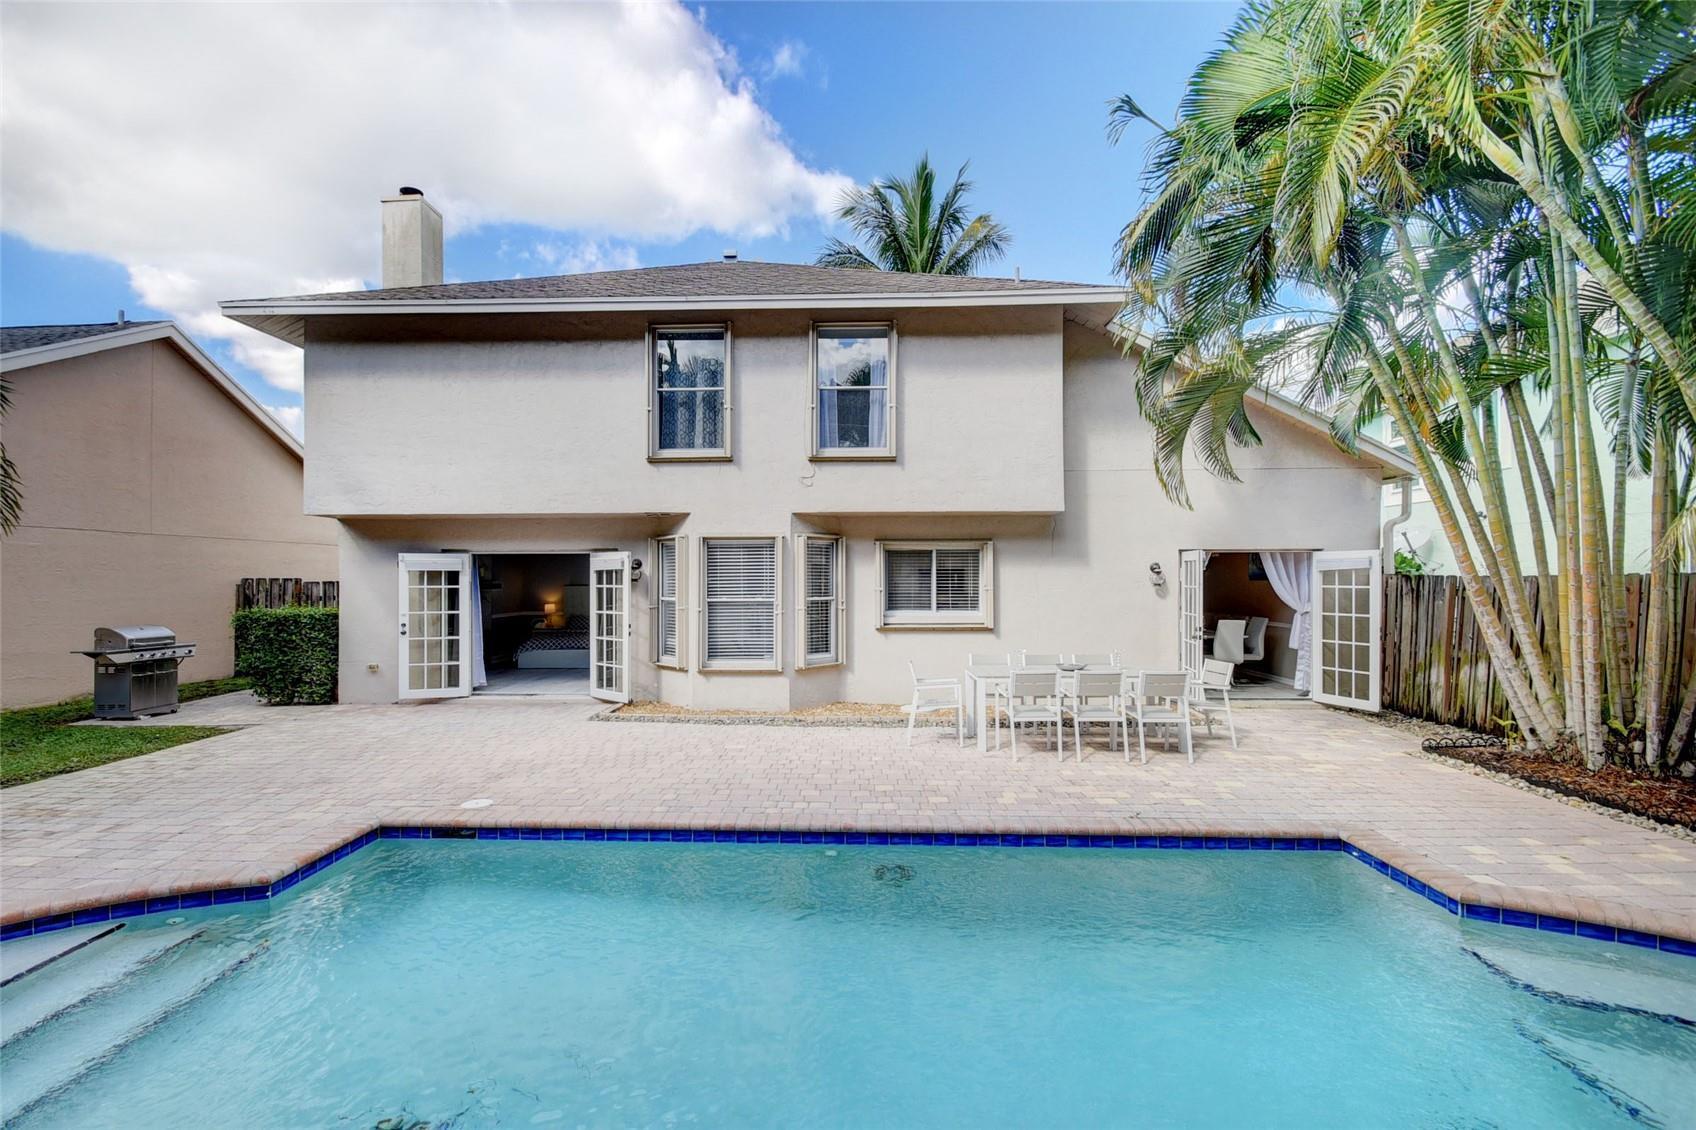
479,673
1291,575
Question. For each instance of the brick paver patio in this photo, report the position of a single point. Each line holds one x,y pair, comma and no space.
248,807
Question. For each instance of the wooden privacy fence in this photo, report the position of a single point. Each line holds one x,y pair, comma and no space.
281,592
1436,665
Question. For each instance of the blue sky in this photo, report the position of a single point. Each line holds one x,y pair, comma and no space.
850,90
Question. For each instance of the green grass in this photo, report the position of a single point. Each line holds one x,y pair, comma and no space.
39,741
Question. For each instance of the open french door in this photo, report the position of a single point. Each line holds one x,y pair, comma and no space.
435,624
1192,565
1348,599
609,626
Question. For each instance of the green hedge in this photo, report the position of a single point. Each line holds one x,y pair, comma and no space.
289,653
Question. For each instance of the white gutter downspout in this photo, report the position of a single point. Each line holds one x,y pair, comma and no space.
1387,540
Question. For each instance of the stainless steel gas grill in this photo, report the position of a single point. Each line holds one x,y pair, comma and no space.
135,670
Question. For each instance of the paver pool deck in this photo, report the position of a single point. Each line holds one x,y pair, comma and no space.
248,807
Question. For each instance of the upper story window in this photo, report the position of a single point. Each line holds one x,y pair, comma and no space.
689,392
854,391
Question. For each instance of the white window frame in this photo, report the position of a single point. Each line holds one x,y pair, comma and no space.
658,454
982,620
838,601
887,452
679,660
775,663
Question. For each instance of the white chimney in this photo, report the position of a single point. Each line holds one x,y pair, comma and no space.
412,240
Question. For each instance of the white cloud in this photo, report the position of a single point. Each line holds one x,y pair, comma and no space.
291,416
787,60
573,257
239,151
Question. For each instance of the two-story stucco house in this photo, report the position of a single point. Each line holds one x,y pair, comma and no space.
741,484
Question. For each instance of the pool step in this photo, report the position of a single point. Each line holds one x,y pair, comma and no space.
51,1056
98,967
23,956
1649,1084
1591,983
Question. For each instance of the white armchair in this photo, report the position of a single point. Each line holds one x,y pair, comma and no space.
1034,697
1160,698
932,695
1211,695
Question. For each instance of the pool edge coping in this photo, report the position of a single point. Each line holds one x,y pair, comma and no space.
1464,898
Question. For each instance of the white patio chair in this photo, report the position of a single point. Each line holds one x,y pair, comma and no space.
1034,696
933,694
1161,698
1098,696
1215,680
996,700
1037,658
1228,640
1095,658
1254,643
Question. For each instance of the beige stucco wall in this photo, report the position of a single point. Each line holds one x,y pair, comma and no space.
1074,580
148,493
482,422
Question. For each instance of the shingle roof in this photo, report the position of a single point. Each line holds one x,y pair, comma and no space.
741,278
15,338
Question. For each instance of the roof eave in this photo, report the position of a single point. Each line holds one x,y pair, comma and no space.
284,318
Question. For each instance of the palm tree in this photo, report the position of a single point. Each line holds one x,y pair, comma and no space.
1442,212
908,228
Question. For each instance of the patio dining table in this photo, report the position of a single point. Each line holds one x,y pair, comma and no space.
983,679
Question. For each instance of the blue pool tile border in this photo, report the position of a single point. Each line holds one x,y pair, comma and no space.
1470,912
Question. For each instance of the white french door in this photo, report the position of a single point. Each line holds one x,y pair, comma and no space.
1192,564
435,624
1348,599
609,626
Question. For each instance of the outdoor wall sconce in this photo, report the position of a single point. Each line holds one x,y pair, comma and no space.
1157,576
635,569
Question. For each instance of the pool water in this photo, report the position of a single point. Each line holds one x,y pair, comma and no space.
608,984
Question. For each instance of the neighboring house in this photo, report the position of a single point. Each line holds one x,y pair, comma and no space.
151,485
823,474
1422,533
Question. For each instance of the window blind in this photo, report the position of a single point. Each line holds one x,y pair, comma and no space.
741,602
942,584
667,631
819,593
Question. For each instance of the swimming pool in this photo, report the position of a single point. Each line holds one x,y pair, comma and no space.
520,983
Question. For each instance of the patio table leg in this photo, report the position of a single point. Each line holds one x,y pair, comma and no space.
980,711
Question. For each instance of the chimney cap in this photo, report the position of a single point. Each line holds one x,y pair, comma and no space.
408,190
730,255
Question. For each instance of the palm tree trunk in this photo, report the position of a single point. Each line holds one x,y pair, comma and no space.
1487,459
1518,405
1678,741
1531,714
1591,523
1652,677
1539,539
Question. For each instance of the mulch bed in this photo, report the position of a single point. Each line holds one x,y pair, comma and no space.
1670,801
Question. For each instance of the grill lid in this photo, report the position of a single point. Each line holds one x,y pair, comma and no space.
133,637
